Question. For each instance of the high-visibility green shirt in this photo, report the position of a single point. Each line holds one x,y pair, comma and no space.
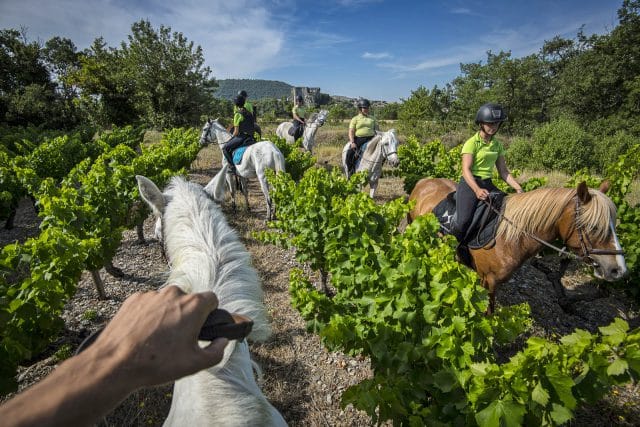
247,106
300,111
364,125
485,155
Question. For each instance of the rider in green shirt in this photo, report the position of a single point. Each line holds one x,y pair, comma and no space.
253,111
362,129
480,154
299,113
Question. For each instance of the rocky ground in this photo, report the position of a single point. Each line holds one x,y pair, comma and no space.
301,378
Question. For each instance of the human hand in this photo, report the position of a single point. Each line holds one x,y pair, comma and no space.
353,145
482,194
153,338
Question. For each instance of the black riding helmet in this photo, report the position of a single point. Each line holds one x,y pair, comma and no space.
239,101
490,113
363,103
243,94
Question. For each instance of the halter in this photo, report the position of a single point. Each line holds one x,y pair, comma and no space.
385,155
585,243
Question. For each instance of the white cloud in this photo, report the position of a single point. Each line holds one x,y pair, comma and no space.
379,55
239,38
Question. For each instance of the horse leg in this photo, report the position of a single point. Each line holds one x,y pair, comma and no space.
555,277
245,191
372,188
264,186
12,215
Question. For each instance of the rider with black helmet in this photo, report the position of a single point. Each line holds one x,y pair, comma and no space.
242,131
299,114
480,154
362,129
250,108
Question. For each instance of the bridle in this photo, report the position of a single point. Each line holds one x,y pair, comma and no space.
585,242
384,152
208,138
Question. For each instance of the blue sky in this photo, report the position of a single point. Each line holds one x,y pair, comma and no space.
378,49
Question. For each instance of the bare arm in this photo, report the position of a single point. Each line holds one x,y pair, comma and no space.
151,340
467,163
503,170
352,137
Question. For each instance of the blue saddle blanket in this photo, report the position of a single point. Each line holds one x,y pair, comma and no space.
484,225
238,153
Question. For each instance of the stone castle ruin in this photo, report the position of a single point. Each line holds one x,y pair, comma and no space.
311,95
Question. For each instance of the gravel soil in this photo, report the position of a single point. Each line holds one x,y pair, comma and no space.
300,377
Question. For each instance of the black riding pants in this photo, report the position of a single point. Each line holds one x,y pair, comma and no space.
351,152
232,144
466,203
298,129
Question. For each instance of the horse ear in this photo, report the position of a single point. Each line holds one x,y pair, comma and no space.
151,194
583,193
604,186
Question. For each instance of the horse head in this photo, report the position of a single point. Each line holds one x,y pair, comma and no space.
205,134
588,228
389,144
211,130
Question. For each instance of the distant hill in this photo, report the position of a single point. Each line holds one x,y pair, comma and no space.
257,89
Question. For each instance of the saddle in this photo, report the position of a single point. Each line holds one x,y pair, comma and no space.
239,152
484,224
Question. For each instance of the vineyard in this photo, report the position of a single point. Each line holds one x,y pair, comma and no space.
405,327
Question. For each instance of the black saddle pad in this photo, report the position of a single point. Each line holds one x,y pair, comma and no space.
484,225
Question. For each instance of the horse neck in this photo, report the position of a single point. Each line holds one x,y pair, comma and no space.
207,255
537,213
374,158
222,136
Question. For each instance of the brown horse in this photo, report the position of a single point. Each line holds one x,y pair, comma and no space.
583,218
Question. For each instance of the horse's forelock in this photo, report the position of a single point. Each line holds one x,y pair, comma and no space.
596,216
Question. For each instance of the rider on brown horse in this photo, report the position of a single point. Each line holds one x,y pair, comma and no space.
480,154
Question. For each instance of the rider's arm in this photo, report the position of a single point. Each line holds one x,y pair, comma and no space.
352,137
467,163
151,340
506,176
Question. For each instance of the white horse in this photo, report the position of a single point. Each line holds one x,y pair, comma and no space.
256,159
206,254
383,147
309,135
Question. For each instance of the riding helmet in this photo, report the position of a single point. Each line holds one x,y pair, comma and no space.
363,103
491,113
243,93
239,101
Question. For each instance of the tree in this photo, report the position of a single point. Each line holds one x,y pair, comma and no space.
172,85
157,78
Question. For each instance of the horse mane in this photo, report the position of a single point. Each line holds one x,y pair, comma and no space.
207,255
372,146
537,211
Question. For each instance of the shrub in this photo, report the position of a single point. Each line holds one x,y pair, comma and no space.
562,145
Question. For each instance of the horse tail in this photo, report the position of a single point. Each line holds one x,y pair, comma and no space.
279,162
216,187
